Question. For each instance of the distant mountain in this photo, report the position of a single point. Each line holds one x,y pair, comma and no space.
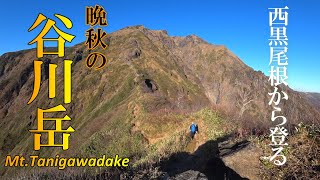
152,88
314,99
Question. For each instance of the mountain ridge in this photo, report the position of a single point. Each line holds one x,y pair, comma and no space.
152,88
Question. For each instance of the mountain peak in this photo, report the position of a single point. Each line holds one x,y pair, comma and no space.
135,27
152,88
196,39
163,34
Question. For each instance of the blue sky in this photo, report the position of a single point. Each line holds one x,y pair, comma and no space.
242,26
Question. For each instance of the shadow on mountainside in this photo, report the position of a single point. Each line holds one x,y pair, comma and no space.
207,159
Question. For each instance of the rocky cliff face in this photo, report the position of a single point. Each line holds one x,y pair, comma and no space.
145,94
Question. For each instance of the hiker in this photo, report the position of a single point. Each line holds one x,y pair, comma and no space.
193,129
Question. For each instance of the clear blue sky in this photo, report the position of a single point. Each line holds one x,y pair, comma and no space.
240,25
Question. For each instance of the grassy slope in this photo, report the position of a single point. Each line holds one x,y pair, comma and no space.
112,113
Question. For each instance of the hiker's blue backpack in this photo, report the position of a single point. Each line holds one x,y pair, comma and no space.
193,128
